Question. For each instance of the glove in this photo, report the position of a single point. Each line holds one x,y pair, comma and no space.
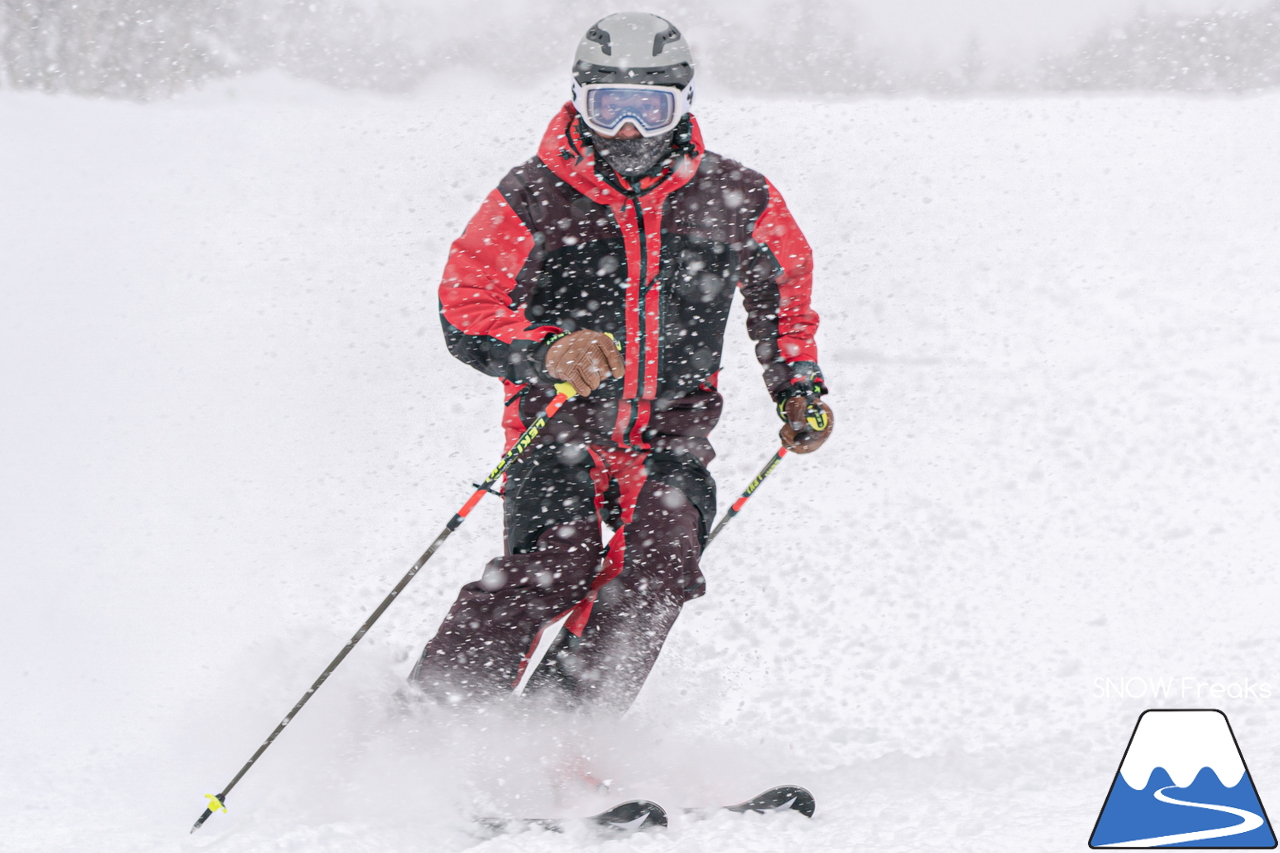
585,358
808,423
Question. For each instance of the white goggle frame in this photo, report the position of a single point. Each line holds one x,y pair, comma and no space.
684,97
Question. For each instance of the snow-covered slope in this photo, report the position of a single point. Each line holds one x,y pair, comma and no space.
230,424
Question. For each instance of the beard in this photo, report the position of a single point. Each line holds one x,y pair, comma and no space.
632,158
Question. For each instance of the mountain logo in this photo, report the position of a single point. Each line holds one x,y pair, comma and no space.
1182,783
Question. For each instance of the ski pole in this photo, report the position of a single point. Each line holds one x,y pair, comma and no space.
564,392
774,461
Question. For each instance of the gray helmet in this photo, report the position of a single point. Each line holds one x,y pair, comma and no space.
633,47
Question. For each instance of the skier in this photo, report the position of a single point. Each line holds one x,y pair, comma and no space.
609,261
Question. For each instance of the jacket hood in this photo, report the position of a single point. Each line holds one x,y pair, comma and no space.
571,159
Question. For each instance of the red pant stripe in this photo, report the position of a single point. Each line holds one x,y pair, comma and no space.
627,468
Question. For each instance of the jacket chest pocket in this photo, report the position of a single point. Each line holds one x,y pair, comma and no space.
699,279
582,287
698,273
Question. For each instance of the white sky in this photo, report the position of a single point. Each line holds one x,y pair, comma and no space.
1009,30
1025,23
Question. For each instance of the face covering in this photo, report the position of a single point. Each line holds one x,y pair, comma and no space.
632,158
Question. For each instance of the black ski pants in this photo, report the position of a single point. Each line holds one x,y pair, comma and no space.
621,597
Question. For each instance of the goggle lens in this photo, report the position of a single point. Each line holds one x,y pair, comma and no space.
651,108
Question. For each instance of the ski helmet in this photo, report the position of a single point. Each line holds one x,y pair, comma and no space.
633,47
633,67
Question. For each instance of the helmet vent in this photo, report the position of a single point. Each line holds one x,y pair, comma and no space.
661,40
601,38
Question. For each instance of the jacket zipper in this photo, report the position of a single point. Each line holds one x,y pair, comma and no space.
641,320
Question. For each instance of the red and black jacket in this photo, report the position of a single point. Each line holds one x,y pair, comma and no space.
561,245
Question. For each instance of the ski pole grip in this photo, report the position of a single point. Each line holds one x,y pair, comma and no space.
814,414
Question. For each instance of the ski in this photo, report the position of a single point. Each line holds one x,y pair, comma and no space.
783,798
636,815
622,819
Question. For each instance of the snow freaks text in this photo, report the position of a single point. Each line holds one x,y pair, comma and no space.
1186,687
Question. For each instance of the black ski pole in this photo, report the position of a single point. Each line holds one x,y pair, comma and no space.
774,461
565,391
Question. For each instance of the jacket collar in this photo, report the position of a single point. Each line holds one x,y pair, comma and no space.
570,159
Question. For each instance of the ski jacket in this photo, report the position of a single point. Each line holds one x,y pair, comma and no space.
563,244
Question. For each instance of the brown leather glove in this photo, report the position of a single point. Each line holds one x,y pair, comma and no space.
586,358
800,433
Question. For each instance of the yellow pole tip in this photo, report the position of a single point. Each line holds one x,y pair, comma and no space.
215,805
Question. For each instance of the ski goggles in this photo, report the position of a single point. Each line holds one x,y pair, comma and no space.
653,110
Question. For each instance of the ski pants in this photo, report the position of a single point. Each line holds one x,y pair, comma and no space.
621,597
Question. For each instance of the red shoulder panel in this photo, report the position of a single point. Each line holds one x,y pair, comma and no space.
475,294
797,321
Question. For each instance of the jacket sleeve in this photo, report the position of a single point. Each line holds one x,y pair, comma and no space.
776,287
484,325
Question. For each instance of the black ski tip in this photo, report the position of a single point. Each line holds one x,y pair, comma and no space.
780,799
624,818
631,816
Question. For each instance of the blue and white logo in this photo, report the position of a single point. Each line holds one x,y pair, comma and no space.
1183,783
